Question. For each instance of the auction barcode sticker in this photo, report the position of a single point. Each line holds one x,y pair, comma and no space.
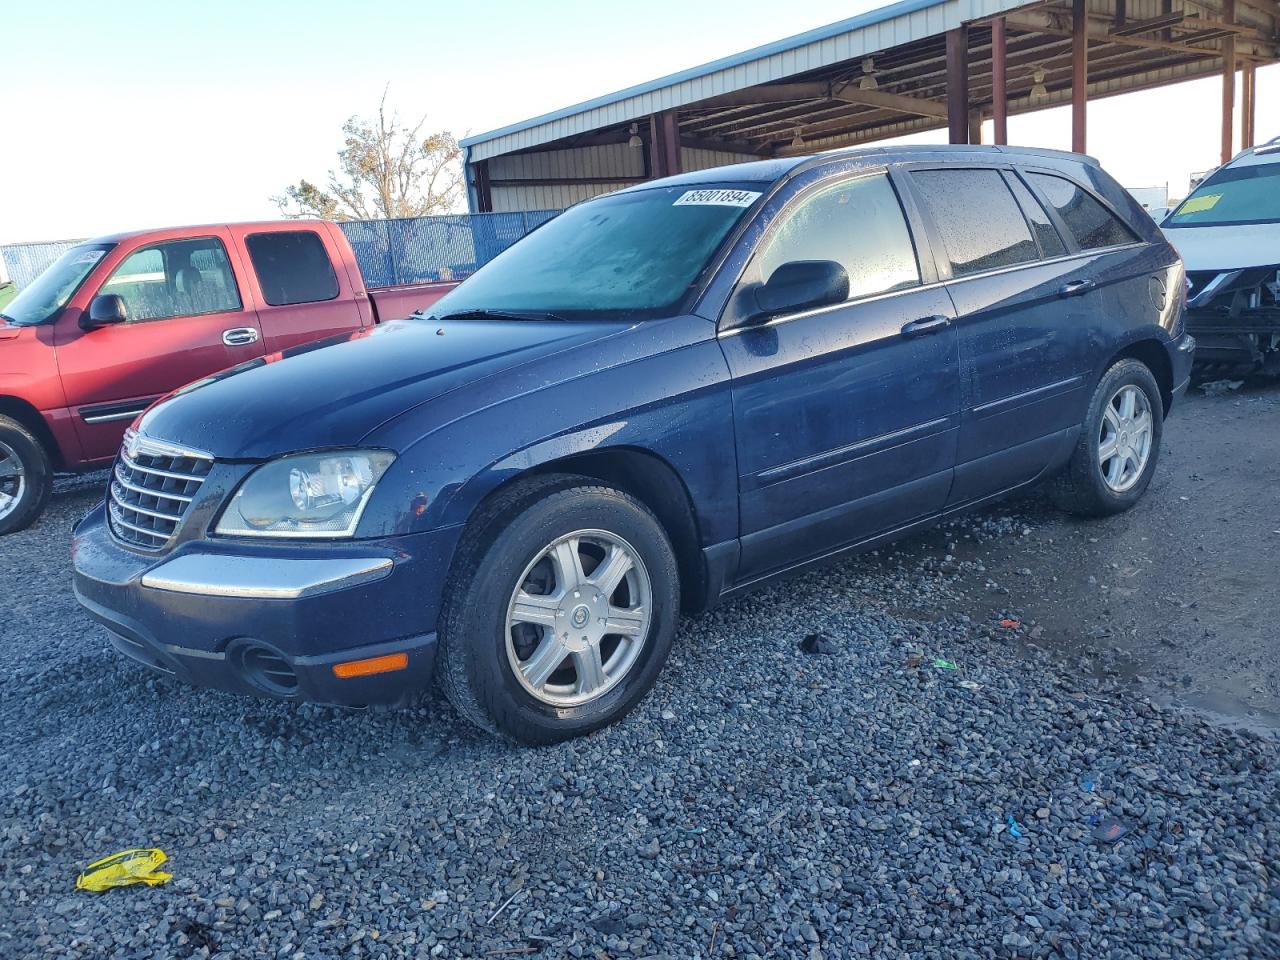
717,198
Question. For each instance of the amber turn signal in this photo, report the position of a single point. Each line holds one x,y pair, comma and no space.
364,668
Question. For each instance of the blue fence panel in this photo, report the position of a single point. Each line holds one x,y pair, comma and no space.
425,249
390,252
26,261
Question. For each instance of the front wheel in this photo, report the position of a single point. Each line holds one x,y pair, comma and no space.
26,477
1119,446
559,612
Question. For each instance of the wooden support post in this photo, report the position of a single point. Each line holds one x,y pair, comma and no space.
999,76
1248,108
975,126
664,143
1079,74
958,84
484,189
1228,83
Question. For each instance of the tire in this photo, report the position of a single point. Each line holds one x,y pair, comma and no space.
1085,486
23,497
488,666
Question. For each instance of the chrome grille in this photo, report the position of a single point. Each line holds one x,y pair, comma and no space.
152,484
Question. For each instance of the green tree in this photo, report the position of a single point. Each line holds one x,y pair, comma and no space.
386,169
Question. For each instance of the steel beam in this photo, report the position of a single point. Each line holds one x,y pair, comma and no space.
484,189
999,89
664,143
958,84
1248,106
1079,74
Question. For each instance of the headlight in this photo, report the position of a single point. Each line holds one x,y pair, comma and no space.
307,495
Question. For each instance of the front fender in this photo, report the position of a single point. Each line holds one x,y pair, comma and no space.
674,405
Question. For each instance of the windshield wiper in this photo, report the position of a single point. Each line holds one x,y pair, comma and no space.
502,315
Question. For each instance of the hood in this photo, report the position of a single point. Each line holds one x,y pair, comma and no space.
1227,248
334,392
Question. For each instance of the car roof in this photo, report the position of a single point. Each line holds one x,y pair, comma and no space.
1268,152
771,171
195,230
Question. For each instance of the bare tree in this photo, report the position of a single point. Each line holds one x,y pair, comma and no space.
386,170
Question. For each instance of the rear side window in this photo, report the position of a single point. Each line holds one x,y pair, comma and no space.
858,224
292,267
1051,244
1092,224
980,224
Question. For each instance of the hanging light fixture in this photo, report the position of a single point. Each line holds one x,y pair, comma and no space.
797,140
635,140
1038,90
868,81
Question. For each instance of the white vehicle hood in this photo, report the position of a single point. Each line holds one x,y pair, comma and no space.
1227,248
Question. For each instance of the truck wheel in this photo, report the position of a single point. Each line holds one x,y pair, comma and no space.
559,612
1118,449
26,477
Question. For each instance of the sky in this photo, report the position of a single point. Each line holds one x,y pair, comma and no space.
116,116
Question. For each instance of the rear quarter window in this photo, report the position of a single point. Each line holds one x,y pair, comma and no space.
292,267
1091,224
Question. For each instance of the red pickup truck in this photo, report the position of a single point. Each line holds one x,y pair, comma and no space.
117,322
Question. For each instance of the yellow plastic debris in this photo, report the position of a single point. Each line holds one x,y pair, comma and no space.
124,868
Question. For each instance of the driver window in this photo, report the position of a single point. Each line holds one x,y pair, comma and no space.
859,224
180,279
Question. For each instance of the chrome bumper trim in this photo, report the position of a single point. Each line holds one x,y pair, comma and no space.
263,578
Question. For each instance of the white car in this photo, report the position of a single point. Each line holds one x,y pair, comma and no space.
1228,232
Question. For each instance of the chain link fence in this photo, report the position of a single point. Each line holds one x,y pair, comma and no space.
23,262
390,252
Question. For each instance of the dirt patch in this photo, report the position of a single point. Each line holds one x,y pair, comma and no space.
1179,596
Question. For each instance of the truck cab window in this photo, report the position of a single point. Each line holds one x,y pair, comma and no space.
184,278
292,267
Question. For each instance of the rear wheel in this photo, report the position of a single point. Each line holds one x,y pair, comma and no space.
26,476
1119,447
560,611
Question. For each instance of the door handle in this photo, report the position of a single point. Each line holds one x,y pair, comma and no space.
239,336
1076,288
926,326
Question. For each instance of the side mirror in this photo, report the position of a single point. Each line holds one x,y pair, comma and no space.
104,310
801,285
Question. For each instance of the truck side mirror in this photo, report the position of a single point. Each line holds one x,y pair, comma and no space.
105,309
801,285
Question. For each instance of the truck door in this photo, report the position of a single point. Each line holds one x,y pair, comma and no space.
186,319
845,417
301,295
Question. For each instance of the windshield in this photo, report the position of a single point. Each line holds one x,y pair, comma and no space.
1232,196
50,291
630,255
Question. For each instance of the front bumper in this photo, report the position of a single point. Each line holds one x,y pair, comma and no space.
272,619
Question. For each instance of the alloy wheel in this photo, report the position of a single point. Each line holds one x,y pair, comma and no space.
578,618
1124,438
13,480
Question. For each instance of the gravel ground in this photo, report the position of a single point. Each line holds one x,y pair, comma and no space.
763,802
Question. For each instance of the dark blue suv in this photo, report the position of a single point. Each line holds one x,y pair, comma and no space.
660,398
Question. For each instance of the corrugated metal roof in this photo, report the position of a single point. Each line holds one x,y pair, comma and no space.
870,32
